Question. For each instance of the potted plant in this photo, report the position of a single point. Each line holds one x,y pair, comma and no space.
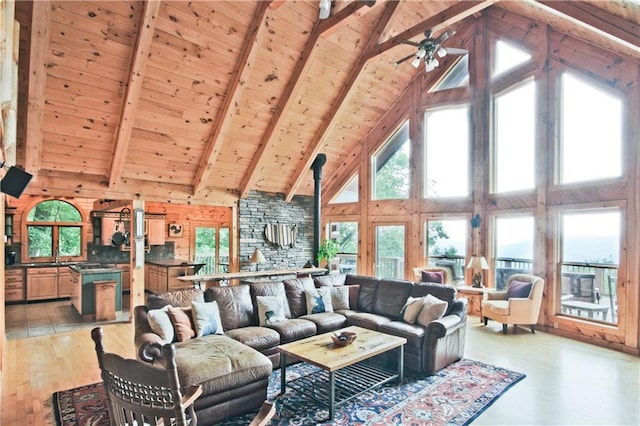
327,251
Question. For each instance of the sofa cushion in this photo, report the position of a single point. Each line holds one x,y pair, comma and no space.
414,333
295,289
181,298
329,280
259,338
518,289
367,291
318,300
326,321
294,329
182,324
270,309
391,297
270,288
497,306
206,318
444,292
340,298
411,309
161,324
432,309
235,306
219,363
367,320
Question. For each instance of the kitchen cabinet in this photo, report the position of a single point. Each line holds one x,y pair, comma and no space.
126,276
162,275
84,297
65,285
155,231
76,290
42,283
108,228
14,285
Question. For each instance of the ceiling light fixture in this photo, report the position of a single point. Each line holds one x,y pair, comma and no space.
325,9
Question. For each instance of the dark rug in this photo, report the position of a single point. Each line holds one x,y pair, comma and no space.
455,395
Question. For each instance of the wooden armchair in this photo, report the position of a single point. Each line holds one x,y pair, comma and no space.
518,305
140,393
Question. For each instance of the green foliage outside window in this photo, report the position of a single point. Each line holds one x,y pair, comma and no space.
49,219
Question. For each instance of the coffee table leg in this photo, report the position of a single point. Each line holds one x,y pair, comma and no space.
332,394
283,373
401,364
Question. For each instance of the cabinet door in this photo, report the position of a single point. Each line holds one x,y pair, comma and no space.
108,228
155,232
42,283
76,291
126,277
14,285
65,283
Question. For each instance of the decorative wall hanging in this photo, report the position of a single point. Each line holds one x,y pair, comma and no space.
175,230
280,235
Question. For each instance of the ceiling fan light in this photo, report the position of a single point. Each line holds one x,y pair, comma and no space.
442,52
325,9
416,62
429,66
421,53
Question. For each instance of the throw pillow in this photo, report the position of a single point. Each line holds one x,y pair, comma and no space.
319,300
432,309
160,323
207,318
433,277
181,323
411,309
270,310
340,298
518,289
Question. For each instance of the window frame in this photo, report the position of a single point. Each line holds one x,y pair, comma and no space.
386,144
424,221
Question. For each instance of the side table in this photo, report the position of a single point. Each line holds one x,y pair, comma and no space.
474,295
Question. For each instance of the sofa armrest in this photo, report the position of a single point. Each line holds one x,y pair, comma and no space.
147,342
445,325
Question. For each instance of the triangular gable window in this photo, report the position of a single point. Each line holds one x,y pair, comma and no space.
457,76
349,193
508,56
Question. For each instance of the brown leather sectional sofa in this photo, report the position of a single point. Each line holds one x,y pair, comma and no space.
234,368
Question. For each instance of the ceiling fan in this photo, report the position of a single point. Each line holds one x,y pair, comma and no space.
429,48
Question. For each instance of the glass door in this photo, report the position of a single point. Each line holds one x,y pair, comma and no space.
389,241
211,247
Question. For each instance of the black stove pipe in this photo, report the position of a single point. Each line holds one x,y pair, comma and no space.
316,166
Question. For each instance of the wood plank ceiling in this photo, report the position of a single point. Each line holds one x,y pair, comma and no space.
202,102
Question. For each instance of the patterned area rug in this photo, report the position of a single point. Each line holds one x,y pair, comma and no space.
454,396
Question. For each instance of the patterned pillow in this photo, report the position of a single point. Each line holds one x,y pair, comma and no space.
340,298
160,323
181,323
432,309
207,318
518,289
270,310
318,300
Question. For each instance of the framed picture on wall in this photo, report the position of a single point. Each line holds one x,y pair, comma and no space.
175,230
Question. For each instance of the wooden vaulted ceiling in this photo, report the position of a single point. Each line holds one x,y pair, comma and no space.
202,102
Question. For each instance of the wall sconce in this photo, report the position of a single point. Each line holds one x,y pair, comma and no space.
476,263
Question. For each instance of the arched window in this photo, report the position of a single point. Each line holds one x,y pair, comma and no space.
54,231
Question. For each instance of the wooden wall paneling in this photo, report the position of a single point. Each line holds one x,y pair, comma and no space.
614,189
341,209
516,28
414,235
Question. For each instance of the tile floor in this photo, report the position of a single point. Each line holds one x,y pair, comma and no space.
45,318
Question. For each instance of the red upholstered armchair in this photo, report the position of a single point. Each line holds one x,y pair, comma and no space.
518,305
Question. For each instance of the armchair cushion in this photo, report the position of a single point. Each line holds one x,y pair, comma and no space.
518,289
432,277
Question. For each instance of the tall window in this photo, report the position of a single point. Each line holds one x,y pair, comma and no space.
507,57
591,135
346,234
514,237
514,114
447,152
390,251
54,230
446,243
391,167
349,193
589,259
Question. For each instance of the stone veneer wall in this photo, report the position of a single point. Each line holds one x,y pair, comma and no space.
262,208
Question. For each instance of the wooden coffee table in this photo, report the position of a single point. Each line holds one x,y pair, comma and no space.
341,368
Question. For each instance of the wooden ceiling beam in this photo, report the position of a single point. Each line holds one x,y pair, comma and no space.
588,16
341,100
290,91
437,23
134,86
253,40
39,45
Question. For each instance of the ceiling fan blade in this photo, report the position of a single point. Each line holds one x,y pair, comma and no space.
444,36
411,43
406,58
456,51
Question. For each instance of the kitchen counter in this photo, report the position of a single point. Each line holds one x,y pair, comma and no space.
176,263
162,275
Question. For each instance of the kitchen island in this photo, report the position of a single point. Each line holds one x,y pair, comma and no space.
162,275
83,296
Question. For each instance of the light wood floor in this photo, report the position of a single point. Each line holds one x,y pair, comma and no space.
567,382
